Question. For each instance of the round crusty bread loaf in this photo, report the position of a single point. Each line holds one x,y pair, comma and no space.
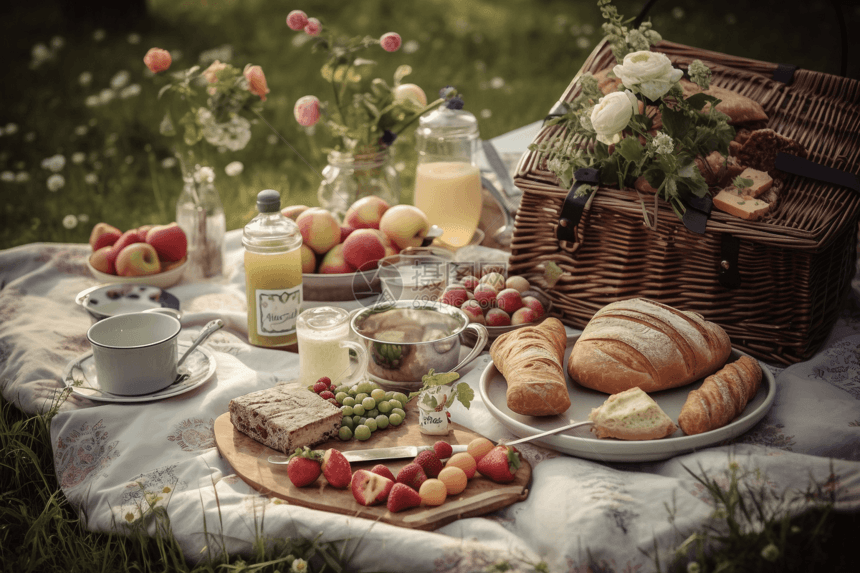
645,344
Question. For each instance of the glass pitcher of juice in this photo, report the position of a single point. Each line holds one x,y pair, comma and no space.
273,273
447,179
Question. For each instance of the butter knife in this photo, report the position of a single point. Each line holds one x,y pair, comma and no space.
374,454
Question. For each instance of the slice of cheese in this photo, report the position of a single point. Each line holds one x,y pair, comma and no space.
762,182
748,208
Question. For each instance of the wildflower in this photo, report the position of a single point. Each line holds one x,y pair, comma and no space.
11,128
92,101
133,38
57,42
447,92
662,144
637,40
411,47
678,13
612,114
91,178
299,566
211,73
70,221
272,139
770,552
307,110
130,91
700,74
297,20
648,73
22,177
7,176
85,79
120,80
157,60
234,168
582,43
390,41
56,182
203,174
78,157
168,162
99,35
313,27
234,134
486,113
410,91
81,130
497,83
40,54
83,218
106,96
256,81
54,163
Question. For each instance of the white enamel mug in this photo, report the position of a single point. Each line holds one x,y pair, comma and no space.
135,353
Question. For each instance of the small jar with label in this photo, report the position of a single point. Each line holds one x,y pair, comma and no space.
273,273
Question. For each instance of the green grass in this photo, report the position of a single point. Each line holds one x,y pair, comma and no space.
511,59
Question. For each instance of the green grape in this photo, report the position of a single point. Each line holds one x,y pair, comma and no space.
382,421
366,387
342,388
368,403
356,420
389,395
347,421
399,412
384,407
361,396
372,413
395,419
348,401
395,403
371,423
378,394
362,420
362,432
359,410
401,397
340,397
344,433
347,411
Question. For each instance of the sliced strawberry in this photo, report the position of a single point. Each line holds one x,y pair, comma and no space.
369,488
382,469
402,497
336,469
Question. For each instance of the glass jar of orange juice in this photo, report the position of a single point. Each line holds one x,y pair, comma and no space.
273,273
447,179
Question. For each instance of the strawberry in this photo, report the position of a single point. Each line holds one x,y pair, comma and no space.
326,394
382,470
402,497
336,469
320,386
412,475
443,450
303,468
430,462
500,464
369,488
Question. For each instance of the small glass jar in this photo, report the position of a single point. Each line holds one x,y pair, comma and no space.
349,177
447,178
200,214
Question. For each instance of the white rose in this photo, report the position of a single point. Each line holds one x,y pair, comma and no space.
648,73
612,114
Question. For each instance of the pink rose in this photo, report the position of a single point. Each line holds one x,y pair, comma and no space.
211,73
297,20
157,60
390,42
307,110
313,27
256,81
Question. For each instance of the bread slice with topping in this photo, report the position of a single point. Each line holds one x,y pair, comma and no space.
631,415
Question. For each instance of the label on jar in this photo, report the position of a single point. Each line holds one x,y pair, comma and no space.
277,310
433,410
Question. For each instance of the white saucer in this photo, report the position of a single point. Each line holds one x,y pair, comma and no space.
80,375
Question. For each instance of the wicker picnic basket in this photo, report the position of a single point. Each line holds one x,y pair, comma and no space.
795,266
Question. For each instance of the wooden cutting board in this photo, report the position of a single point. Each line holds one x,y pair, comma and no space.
249,458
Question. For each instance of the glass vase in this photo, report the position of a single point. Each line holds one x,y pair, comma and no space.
200,214
348,177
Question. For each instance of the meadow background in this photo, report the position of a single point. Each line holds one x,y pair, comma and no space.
79,113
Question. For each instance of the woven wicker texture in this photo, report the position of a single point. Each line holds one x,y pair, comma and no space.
796,264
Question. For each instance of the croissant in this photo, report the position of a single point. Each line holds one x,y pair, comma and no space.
721,398
531,359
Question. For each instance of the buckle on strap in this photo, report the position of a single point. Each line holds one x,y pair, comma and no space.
573,207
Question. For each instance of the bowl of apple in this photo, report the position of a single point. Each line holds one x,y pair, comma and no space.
339,258
152,255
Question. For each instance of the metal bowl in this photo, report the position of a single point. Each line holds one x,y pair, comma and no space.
406,339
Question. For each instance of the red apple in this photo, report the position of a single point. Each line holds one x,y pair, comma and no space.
169,241
309,259
405,225
509,300
364,248
142,231
334,263
319,228
474,311
127,238
521,284
170,265
104,260
345,231
470,282
455,295
136,260
365,213
497,317
523,315
104,235
534,304
293,211
494,279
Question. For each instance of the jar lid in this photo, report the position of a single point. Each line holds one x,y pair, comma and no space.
268,201
444,123
270,231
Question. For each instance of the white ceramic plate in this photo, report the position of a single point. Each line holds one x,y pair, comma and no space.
160,280
340,287
581,442
80,374
109,300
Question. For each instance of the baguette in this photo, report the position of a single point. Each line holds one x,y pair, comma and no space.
531,359
722,397
645,344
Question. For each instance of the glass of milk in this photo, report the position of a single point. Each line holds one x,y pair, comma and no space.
420,277
324,345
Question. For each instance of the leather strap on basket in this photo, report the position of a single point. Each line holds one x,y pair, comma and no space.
697,213
805,168
573,207
784,73
729,274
